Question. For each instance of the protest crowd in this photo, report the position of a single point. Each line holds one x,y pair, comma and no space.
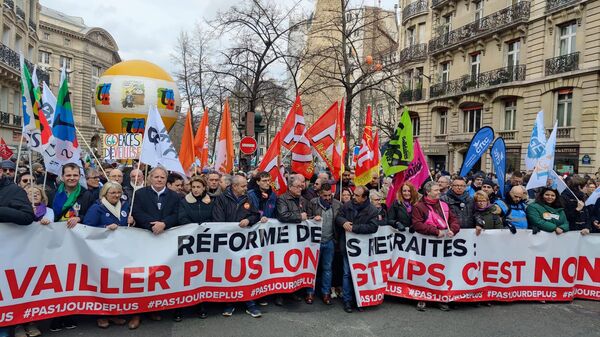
440,207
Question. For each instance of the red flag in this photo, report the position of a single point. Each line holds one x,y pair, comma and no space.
340,144
201,140
5,151
376,153
186,150
321,136
293,139
366,166
272,163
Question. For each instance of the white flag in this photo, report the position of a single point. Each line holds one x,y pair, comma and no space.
48,103
545,164
157,148
557,182
537,143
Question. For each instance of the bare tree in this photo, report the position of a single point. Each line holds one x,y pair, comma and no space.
355,55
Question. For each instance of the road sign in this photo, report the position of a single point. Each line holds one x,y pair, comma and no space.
248,145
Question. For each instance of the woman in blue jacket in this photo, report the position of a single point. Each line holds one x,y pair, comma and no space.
109,211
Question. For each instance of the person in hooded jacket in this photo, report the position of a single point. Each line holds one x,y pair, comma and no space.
485,215
460,202
263,197
547,213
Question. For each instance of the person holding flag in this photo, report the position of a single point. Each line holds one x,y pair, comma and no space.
573,197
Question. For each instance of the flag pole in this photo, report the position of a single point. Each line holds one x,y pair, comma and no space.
18,156
93,154
134,190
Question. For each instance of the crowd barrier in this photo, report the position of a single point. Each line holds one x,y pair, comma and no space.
50,271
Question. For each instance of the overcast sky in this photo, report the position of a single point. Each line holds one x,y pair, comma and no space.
148,29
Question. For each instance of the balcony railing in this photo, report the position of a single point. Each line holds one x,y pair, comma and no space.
17,120
481,81
508,134
412,95
438,3
502,19
9,4
562,132
414,9
416,52
562,64
553,5
11,59
460,137
20,13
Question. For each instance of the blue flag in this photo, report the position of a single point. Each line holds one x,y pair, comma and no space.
498,155
479,144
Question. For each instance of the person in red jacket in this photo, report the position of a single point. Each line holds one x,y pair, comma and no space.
431,216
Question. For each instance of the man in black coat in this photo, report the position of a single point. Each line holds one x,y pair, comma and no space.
292,207
155,206
14,204
233,205
358,216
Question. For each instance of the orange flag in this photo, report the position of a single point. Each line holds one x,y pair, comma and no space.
201,141
321,136
186,151
224,149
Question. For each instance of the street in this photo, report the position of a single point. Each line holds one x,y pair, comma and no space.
394,318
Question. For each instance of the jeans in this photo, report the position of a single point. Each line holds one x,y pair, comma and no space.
347,287
326,263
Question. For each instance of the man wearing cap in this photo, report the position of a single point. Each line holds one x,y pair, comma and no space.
476,184
9,168
488,187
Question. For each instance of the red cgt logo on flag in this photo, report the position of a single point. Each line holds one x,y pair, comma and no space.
5,151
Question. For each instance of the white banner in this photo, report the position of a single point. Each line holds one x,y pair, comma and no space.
49,271
495,266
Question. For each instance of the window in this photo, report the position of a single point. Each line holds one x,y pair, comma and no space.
564,108
67,41
445,72
46,36
410,36
416,124
96,70
348,17
567,39
3,99
421,32
446,25
30,52
472,120
475,66
17,110
65,62
510,115
18,43
443,130
6,36
93,119
478,10
513,53
408,79
419,78
44,57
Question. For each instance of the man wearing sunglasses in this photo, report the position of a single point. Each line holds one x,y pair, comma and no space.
9,168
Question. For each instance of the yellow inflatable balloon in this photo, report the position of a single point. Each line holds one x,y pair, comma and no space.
125,92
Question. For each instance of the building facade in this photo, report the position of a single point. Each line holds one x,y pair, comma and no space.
86,52
468,64
18,29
